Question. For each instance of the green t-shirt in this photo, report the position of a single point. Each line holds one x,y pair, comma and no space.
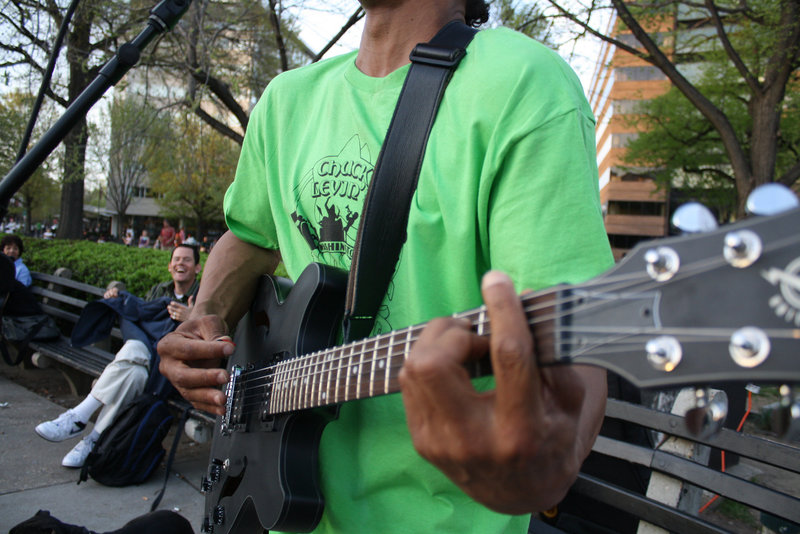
509,181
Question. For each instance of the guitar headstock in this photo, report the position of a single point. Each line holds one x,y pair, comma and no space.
694,310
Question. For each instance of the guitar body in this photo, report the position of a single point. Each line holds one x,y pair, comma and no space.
264,471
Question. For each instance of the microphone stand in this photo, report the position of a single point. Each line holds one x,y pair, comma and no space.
162,18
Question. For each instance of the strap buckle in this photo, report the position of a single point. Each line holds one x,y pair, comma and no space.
436,56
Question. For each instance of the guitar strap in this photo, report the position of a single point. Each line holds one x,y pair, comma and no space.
382,230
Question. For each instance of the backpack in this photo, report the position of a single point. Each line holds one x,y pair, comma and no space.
128,451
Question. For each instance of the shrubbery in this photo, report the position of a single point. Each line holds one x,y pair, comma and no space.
98,264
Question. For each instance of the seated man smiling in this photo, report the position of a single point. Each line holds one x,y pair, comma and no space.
125,377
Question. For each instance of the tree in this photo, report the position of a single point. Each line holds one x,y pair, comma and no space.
225,54
28,29
36,197
136,132
192,171
756,42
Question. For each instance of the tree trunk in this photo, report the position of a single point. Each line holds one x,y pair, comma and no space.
70,225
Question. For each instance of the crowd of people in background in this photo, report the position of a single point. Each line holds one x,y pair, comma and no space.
167,238
41,229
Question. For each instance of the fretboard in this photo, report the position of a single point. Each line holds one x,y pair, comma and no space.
358,370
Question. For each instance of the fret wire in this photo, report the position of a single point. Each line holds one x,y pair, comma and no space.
372,367
360,372
326,393
348,368
296,385
276,376
291,386
318,377
276,388
287,380
338,376
345,372
407,345
302,390
313,383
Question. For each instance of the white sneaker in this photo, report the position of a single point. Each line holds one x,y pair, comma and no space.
77,456
65,426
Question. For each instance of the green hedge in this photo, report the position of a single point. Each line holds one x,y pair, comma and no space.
98,264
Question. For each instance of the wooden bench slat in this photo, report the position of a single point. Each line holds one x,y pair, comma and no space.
87,359
60,297
67,282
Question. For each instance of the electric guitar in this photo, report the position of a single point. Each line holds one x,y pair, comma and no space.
691,310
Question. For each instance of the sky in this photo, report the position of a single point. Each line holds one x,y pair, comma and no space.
322,19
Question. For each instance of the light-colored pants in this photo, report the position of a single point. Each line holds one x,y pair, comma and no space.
121,381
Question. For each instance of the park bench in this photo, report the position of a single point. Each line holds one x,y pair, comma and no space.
63,299
764,482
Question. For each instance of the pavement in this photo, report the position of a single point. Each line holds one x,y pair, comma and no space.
32,478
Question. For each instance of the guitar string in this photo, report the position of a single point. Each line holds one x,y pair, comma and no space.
356,373
478,324
475,317
472,315
362,373
321,394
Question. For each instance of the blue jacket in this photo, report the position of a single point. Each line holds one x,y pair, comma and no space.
146,321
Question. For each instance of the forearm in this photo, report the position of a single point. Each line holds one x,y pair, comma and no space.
230,278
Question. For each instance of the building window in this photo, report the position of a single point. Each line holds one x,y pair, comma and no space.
621,140
626,241
625,107
633,42
624,207
140,191
638,74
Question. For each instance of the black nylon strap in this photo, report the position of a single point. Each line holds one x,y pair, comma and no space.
382,230
171,458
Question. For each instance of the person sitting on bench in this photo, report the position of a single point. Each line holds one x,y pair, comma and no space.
125,377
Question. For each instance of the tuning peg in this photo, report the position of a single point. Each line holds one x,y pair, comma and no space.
693,218
771,199
708,416
785,419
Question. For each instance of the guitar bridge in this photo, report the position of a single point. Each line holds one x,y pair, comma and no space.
232,406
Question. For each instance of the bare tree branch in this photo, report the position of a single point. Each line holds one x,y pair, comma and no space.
735,58
354,18
217,125
276,27
223,92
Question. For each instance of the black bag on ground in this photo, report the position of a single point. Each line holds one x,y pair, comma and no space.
128,451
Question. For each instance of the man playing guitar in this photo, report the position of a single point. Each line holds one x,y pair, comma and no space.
509,183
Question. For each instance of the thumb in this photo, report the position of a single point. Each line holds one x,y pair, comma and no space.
190,302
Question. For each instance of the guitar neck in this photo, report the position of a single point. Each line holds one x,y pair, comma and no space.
358,370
